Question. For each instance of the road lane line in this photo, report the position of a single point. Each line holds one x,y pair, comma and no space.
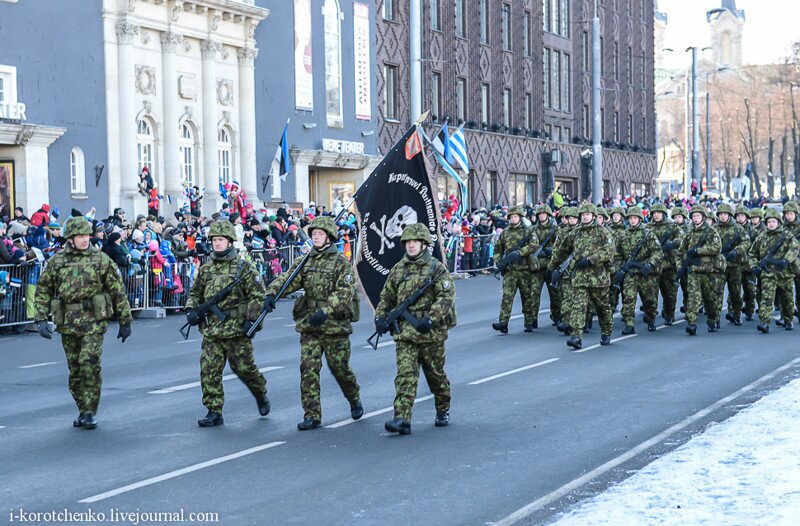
518,316
382,344
190,341
596,345
183,387
566,489
513,371
373,413
673,323
178,473
36,365
289,325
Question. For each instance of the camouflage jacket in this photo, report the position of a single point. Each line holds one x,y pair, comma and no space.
543,231
727,233
709,252
328,283
617,231
668,231
75,277
591,241
789,251
242,304
649,253
438,302
793,228
510,239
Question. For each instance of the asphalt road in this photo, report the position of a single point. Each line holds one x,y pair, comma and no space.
535,426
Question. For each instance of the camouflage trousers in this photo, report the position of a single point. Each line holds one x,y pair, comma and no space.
751,293
703,290
566,299
337,354
581,297
410,356
684,283
669,292
775,288
513,281
639,286
733,279
85,375
540,280
239,353
613,297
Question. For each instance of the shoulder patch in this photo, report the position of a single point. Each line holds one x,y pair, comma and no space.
348,278
447,284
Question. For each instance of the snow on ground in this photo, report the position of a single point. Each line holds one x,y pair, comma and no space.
743,471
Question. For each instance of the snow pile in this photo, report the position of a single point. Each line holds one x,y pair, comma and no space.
744,471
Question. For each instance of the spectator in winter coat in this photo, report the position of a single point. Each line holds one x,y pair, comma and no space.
279,231
9,255
42,216
114,250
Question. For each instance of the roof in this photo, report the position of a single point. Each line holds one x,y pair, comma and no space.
727,5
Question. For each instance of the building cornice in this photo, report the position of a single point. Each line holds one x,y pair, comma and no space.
29,134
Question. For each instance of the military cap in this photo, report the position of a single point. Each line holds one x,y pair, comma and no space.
418,232
635,211
698,209
517,210
724,208
222,229
741,209
77,226
658,207
679,211
544,209
326,224
790,206
771,213
587,208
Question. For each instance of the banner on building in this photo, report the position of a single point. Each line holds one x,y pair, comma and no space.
397,193
362,61
303,73
7,189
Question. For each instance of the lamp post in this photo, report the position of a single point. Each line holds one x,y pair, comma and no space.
597,131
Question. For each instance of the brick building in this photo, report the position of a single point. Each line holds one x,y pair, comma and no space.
517,74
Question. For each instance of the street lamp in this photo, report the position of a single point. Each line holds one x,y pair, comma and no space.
597,149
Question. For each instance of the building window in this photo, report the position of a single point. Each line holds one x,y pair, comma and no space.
567,77
602,56
507,27
586,52
616,126
526,34
528,111
390,108
586,121
548,101
507,107
388,9
491,190
567,134
643,69
557,134
77,172
485,103
186,150
484,18
436,22
615,63
602,124
461,19
556,80
333,63
461,99
630,129
565,18
548,131
546,24
644,132
436,94
521,189
145,146
630,65
556,10
2,89
224,155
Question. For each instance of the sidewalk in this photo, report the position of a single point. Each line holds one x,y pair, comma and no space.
743,471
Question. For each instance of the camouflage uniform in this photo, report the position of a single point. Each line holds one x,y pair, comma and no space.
735,245
774,279
669,237
83,289
593,250
684,227
564,289
517,275
225,340
705,276
541,277
794,229
748,288
416,348
329,285
617,231
642,280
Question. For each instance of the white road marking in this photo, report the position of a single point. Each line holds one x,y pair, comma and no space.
529,509
673,323
513,371
178,473
36,365
190,341
373,413
381,344
183,387
517,316
596,345
289,325
2,427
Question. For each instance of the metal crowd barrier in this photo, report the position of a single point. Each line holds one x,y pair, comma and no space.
480,258
17,292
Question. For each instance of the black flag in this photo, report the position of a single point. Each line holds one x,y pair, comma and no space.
397,193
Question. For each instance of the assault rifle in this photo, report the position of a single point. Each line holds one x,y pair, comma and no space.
730,244
511,257
546,241
401,311
212,305
664,240
619,276
557,273
688,261
762,265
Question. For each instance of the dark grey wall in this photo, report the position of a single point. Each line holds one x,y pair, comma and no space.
57,48
275,101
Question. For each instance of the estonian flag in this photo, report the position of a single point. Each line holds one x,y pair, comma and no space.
280,164
441,143
458,149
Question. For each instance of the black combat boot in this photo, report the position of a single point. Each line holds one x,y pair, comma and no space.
779,322
78,422
528,327
789,325
762,328
502,327
718,325
88,421
356,410
211,419
712,326
748,316
564,327
691,329
683,310
729,317
737,320
442,419
398,425
263,405
669,322
629,329
308,423
605,339
575,342
535,323
651,326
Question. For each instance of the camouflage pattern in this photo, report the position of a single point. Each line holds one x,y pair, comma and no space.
749,290
728,231
541,278
222,229
417,231
667,232
617,231
76,226
518,276
238,352
775,283
635,283
326,224
794,228
563,292
431,358
85,375
703,280
337,354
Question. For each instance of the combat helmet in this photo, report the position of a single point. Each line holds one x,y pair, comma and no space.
724,208
418,232
569,211
517,210
790,206
741,209
635,211
771,213
602,212
659,207
618,210
544,209
222,229
77,226
698,209
757,212
679,211
326,224
587,208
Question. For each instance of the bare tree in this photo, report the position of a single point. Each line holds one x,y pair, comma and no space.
751,150
783,162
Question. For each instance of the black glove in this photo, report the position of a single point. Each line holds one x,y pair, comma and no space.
756,271
192,318
424,325
318,318
732,255
513,257
44,330
646,269
619,275
192,253
269,303
669,246
779,264
248,324
124,332
692,253
584,263
381,326
548,251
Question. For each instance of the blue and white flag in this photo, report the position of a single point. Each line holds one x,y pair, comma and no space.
439,151
441,143
458,149
280,164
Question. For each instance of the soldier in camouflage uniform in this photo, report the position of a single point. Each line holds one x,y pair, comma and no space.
742,216
702,247
680,216
669,237
735,245
517,242
776,274
82,288
791,223
225,340
324,316
592,248
617,227
545,226
564,289
420,343
642,277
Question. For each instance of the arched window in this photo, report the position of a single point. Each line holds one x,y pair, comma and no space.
145,146
186,154
333,63
77,172
224,154
726,48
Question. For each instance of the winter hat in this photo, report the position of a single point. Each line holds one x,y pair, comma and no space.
53,225
138,236
292,227
46,207
75,213
153,246
234,216
114,237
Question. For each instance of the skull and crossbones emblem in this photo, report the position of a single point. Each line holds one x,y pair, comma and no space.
393,228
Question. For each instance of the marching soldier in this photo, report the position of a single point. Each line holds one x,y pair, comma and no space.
772,256
757,220
735,245
700,253
680,217
617,227
223,335
564,285
512,249
669,236
82,288
749,289
421,335
792,225
640,254
592,250
546,233
324,315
